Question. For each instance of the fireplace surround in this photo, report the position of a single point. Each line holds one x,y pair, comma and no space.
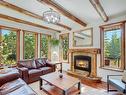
87,59
82,62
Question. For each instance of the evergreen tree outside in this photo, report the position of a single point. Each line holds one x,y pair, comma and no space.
29,45
112,47
106,45
44,45
64,45
8,47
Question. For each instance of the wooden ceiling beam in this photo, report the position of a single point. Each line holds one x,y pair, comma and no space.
26,12
98,7
64,12
26,22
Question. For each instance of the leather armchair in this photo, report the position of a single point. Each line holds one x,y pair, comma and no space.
117,83
8,75
12,84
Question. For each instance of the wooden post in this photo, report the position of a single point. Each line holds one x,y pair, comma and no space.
49,48
18,45
36,45
0,47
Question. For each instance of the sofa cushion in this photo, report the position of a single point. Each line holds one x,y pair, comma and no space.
11,86
46,70
40,62
28,63
34,73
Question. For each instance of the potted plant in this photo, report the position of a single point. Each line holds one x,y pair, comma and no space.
54,42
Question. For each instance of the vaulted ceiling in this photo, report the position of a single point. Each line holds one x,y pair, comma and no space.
83,12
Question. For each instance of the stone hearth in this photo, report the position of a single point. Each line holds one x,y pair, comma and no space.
86,68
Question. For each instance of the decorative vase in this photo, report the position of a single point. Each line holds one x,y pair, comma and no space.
60,75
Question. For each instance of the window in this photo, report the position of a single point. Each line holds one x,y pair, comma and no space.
45,46
112,45
29,45
64,39
8,47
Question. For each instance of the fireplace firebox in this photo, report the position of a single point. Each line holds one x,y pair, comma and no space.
82,62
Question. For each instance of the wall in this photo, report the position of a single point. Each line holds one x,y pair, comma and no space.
96,44
96,35
55,50
96,40
81,41
21,26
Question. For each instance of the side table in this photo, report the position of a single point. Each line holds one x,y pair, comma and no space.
58,63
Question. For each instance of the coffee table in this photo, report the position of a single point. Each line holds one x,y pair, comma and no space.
64,84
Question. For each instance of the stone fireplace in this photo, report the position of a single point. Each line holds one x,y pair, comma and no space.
83,62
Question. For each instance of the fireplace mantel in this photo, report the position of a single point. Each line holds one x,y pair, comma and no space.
86,50
92,52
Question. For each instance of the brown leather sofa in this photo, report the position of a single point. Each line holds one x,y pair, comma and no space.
12,84
31,70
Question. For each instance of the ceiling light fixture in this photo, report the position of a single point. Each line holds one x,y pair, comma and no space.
51,16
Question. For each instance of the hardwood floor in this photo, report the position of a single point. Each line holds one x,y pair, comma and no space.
87,88
101,85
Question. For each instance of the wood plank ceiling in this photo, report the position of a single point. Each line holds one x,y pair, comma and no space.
98,7
26,12
55,6
64,12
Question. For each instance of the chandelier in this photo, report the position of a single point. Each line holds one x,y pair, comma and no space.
51,16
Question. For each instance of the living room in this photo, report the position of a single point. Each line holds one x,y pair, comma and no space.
62,47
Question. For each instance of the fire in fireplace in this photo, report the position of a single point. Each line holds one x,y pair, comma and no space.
82,62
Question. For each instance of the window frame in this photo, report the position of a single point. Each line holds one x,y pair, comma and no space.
49,46
122,27
61,49
17,31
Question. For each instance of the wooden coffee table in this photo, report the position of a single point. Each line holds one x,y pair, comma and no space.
64,84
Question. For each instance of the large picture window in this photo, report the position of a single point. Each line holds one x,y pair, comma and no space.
45,46
8,47
29,45
112,41
64,39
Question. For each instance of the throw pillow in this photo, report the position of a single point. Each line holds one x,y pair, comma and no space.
39,63
30,64
44,61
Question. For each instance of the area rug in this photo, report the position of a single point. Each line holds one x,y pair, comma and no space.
85,90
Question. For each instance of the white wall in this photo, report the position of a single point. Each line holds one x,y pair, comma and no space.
96,40
9,23
55,50
96,44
